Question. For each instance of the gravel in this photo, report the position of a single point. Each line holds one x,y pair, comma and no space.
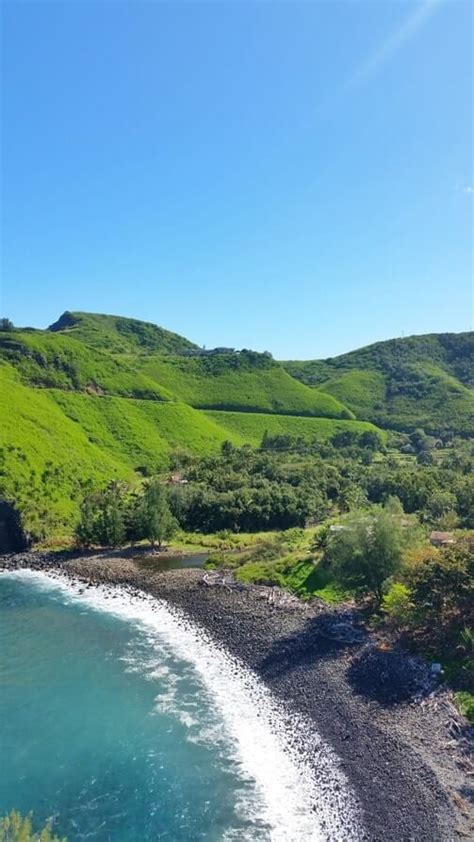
401,743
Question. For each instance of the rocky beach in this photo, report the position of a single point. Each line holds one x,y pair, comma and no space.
401,743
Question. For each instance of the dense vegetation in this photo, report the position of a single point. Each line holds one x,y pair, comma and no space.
96,398
252,426
419,381
114,515
119,335
349,517
84,401
245,382
288,482
52,441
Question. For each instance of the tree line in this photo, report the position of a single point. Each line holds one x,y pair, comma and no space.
114,516
286,483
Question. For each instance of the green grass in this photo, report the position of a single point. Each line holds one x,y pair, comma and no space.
423,395
282,558
418,381
119,335
252,426
50,360
143,433
51,440
239,382
361,391
97,397
44,456
300,576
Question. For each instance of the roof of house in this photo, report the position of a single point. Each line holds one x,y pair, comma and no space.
441,536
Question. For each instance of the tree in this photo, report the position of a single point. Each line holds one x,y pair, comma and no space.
227,448
440,503
442,585
366,553
6,324
102,517
156,521
18,828
465,501
352,497
87,530
111,517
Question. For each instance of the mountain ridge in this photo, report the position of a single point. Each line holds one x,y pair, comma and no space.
100,397
417,381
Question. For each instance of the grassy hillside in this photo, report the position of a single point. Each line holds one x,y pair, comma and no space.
245,382
44,456
252,426
420,381
119,335
51,441
51,360
96,397
142,433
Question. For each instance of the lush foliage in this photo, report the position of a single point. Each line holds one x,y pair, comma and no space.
18,828
289,482
119,335
154,518
252,426
53,441
97,398
432,605
102,518
50,360
419,381
441,587
366,552
243,382
114,515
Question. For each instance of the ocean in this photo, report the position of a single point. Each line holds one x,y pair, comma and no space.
123,722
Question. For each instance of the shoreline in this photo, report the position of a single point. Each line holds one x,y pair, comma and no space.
408,782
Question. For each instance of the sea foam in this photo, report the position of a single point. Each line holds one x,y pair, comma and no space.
298,799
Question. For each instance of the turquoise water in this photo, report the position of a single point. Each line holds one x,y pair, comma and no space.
122,724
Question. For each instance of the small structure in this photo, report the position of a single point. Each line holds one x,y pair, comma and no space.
442,539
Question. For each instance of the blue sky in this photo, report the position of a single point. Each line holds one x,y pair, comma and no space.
291,176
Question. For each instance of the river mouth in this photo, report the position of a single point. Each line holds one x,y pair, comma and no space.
258,785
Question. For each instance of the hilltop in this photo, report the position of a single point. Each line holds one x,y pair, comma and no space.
119,335
402,384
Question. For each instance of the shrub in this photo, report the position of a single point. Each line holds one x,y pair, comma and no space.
443,587
398,606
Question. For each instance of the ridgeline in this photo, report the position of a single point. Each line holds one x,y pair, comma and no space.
96,397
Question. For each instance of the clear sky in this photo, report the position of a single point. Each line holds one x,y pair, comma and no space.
291,176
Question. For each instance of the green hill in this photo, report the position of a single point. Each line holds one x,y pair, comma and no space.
418,381
95,397
252,426
48,360
119,335
53,440
242,382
